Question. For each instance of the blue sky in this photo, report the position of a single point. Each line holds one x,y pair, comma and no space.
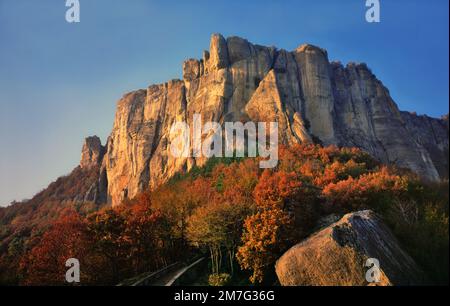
59,82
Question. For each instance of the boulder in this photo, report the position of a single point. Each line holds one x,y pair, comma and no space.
343,253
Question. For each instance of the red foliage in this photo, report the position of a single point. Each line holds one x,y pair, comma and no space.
45,263
266,235
368,190
275,187
280,206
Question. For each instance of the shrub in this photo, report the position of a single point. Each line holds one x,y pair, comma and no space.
219,279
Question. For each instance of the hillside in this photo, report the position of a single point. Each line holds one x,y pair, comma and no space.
21,222
229,208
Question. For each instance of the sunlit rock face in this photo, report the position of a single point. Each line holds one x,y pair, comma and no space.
92,152
310,98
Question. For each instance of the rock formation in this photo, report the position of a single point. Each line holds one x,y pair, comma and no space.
92,152
91,159
432,134
310,98
337,255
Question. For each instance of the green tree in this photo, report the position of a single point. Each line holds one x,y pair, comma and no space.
218,226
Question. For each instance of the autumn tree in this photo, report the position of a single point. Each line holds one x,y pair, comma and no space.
45,263
147,232
268,232
110,242
218,226
235,182
374,190
266,236
177,202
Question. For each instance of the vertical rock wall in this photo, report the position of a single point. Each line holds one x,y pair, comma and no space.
310,98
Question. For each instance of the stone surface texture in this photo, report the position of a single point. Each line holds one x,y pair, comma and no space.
337,256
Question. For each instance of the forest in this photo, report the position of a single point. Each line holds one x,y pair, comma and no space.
241,217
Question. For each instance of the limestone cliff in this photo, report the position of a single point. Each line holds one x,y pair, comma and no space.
310,98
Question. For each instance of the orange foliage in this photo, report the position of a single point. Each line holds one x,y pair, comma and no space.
275,187
45,263
266,235
368,190
206,209
235,182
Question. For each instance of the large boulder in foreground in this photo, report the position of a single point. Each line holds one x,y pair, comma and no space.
337,255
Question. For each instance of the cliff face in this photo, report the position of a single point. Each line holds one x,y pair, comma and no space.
367,117
310,98
432,134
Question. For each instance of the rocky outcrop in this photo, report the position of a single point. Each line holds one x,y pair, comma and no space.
337,256
92,160
367,117
92,152
432,135
310,98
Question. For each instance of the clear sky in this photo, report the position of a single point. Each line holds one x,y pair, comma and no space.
59,82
